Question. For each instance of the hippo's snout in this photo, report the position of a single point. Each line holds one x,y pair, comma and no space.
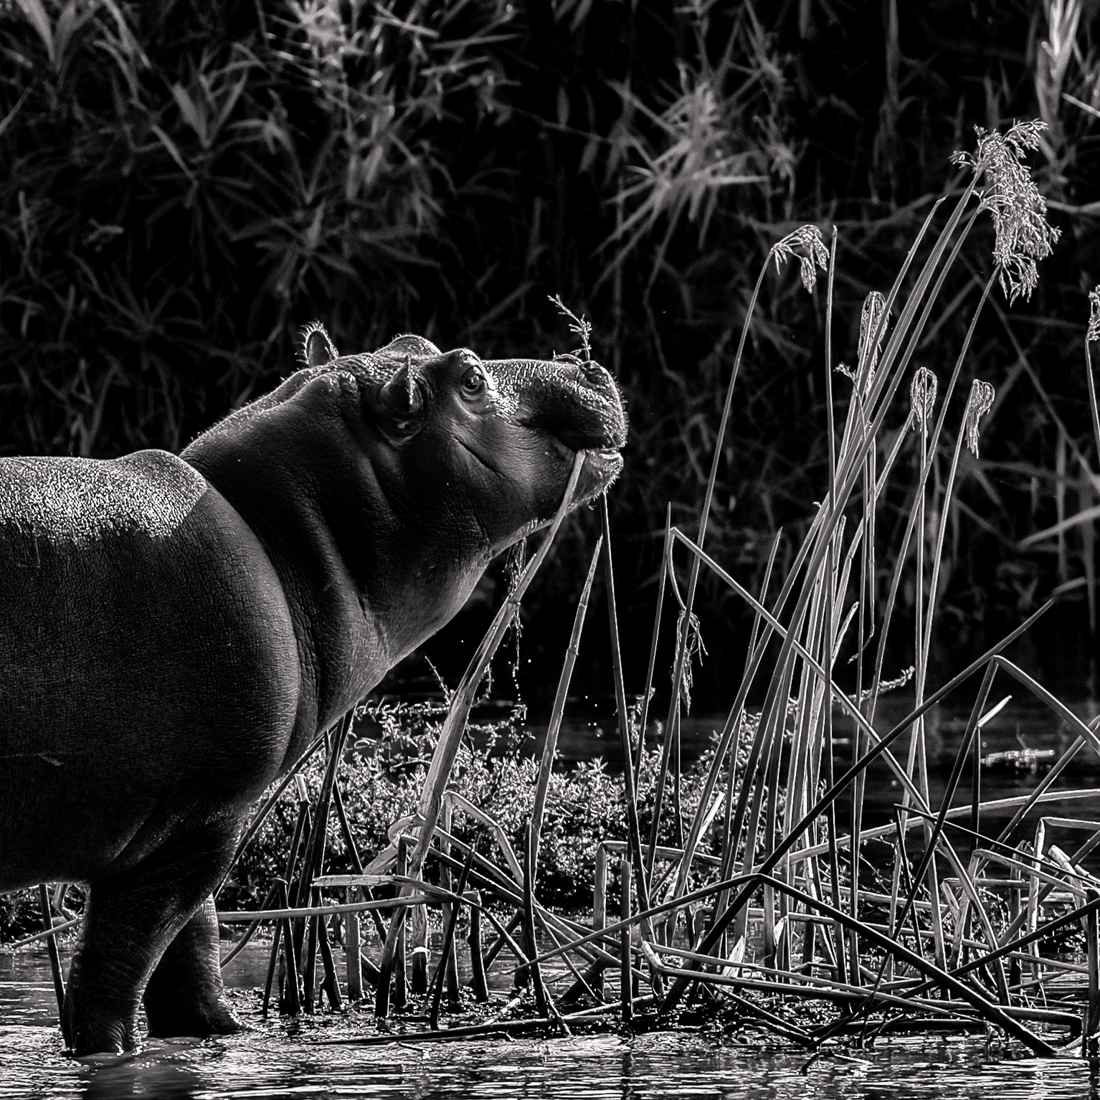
577,403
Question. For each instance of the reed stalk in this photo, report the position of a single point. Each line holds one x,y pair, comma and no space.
557,709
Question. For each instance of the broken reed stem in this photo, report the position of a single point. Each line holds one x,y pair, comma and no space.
315,851
533,971
309,969
1092,399
447,949
449,907
399,958
658,612
290,1000
1090,1037
291,996
625,976
45,934
273,960
331,984
353,952
478,980
634,835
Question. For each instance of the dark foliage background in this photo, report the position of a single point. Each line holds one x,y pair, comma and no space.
184,184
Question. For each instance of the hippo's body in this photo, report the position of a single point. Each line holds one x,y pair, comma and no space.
175,630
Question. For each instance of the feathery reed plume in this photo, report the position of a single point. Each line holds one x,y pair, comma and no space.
1023,236
806,245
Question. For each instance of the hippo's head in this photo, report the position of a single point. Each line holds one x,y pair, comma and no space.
382,484
498,436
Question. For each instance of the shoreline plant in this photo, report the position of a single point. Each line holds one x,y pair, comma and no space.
781,911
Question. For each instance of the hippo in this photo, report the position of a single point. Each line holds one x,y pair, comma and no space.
176,630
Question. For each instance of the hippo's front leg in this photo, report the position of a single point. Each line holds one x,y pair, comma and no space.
185,995
131,921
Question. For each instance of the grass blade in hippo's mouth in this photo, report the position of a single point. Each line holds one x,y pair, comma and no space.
601,467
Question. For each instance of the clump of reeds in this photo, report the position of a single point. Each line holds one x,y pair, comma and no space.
763,891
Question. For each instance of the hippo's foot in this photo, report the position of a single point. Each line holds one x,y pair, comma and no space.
148,931
98,1028
184,1014
185,995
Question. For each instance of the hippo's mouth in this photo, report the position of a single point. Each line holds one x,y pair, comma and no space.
601,467
602,463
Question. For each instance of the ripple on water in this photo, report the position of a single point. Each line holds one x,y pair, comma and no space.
271,1062
276,1059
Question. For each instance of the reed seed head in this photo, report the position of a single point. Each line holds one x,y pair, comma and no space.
922,393
806,244
694,651
978,404
874,305
581,327
1093,332
1023,236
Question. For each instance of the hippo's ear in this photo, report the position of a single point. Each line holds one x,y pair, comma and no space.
400,399
317,349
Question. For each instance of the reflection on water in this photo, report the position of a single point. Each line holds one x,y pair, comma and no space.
277,1059
267,1063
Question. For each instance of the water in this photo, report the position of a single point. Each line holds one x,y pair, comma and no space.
273,1061
278,1059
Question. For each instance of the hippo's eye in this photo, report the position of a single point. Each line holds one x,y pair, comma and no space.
473,383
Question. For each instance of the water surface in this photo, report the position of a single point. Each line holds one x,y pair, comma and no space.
280,1060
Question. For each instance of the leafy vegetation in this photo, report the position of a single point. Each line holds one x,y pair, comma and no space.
495,769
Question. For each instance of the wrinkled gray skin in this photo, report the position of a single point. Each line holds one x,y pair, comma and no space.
174,631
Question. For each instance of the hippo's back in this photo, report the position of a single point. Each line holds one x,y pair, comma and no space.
149,673
75,502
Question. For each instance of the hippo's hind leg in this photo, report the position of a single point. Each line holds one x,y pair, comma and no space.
130,921
185,995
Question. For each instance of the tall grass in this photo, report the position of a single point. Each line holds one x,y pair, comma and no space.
184,187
